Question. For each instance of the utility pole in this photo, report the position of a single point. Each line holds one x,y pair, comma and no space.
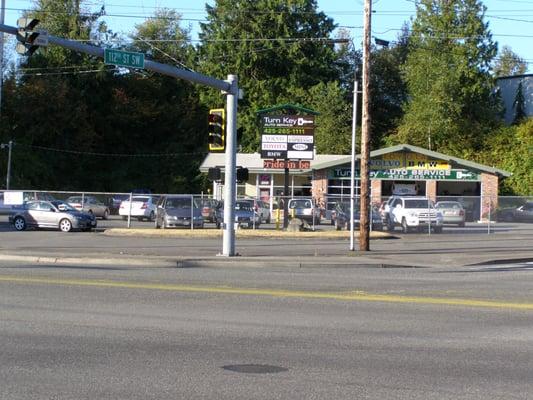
9,147
364,228
2,18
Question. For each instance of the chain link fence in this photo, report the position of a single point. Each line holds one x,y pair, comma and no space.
448,214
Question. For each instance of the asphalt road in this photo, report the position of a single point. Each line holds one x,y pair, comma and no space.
105,332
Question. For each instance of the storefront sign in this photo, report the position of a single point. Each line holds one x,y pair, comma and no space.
282,164
409,174
287,136
407,161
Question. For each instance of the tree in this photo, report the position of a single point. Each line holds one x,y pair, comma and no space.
509,63
519,105
388,89
274,46
448,77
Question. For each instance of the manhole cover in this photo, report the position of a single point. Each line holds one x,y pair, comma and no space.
254,368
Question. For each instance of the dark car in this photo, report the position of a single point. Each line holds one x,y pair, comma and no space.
174,211
209,207
115,201
342,216
524,213
245,215
52,214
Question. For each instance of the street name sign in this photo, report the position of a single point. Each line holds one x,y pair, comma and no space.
124,58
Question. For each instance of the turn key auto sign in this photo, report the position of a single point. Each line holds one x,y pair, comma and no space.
287,137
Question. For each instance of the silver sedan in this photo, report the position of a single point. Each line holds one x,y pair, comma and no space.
452,212
51,214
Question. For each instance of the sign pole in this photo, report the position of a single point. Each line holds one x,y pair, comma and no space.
285,197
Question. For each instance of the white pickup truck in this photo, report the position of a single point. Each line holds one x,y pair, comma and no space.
413,213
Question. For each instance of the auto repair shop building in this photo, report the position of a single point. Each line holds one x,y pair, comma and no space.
402,170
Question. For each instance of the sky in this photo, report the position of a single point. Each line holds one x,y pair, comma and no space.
510,21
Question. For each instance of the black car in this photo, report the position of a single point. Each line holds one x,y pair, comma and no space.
341,216
524,213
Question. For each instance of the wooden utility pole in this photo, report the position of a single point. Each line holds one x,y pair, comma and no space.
364,228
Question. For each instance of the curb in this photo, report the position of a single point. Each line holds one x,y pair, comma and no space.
215,262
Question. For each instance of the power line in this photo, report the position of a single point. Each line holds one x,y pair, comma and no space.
88,153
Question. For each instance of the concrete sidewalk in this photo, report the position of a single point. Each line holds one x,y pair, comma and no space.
452,250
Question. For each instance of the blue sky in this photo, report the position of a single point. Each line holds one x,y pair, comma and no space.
510,21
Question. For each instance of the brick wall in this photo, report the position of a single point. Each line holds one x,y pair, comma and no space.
320,186
431,190
375,190
489,196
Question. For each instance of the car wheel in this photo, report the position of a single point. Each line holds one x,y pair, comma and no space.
152,216
438,229
19,223
405,227
140,218
337,226
124,218
217,223
106,214
65,225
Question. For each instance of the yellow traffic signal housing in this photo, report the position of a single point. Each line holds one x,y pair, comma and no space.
217,130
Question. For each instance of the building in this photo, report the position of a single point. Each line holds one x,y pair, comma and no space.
402,169
508,87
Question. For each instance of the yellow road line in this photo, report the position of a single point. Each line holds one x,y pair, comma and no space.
344,296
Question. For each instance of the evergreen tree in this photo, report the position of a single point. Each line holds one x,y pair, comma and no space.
448,77
275,47
518,105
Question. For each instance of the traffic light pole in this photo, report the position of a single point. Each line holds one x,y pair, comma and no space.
229,87
228,239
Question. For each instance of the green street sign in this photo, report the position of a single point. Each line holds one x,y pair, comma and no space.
124,58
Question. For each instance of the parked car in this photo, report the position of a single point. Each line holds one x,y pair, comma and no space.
52,214
245,215
414,212
142,207
209,207
6,209
115,201
342,216
262,208
89,204
174,211
452,212
523,213
305,209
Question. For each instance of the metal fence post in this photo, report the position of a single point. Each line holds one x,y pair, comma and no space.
192,212
129,211
489,217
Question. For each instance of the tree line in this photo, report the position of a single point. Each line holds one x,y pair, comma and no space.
79,124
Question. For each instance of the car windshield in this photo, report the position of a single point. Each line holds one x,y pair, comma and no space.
448,204
422,203
300,204
243,206
180,202
62,206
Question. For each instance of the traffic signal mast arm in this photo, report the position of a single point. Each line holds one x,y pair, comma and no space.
230,88
150,65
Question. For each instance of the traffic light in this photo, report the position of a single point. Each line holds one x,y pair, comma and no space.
242,174
217,130
30,39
